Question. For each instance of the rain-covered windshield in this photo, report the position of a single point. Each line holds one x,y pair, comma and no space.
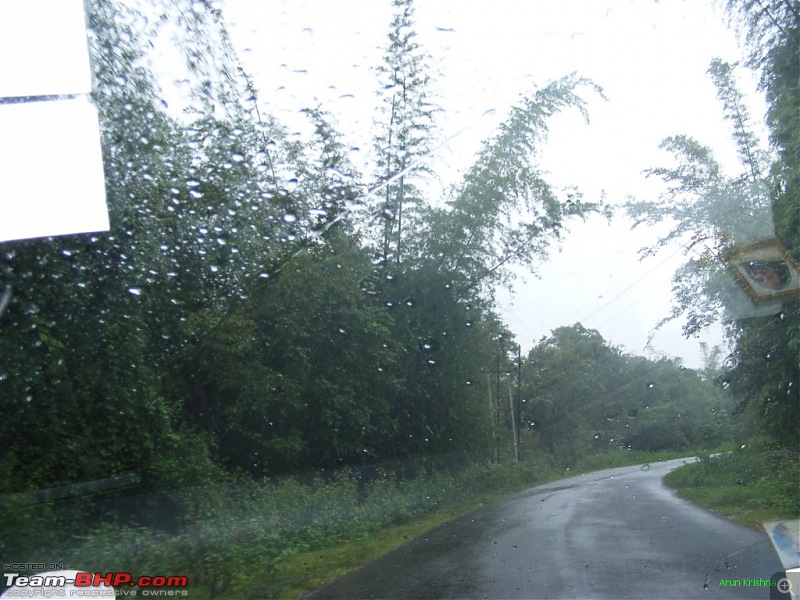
331,274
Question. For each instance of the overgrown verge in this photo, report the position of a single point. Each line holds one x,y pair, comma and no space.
309,570
277,539
753,484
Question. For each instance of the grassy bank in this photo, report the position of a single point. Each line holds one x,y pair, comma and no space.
752,485
279,539
296,574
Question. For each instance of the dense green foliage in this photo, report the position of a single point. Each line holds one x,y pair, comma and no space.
261,309
613,400
235,318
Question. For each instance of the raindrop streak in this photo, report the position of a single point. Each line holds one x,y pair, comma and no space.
134,291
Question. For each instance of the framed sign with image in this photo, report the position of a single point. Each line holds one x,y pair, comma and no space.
765,271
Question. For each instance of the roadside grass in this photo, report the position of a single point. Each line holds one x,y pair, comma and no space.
751,485
301,573
298,574
283,538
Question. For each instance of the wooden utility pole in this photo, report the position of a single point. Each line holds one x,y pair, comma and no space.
493,419
494,405
514,435
518,403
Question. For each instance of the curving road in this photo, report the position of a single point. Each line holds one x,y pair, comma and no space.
617,533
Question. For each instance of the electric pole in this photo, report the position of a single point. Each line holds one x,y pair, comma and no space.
494,405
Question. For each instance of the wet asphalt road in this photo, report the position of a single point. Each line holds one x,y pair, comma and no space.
617,533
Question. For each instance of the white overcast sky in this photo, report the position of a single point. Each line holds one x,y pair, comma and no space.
649,56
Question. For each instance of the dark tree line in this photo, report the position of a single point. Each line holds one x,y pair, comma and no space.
613,400
258,305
